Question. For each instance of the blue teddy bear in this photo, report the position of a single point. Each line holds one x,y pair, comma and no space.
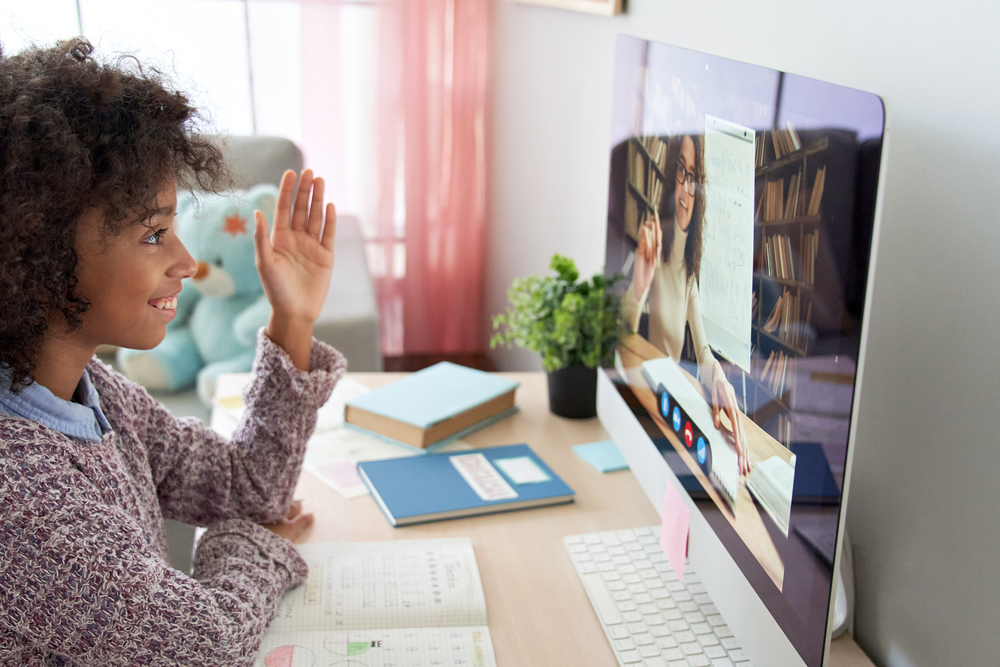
219,309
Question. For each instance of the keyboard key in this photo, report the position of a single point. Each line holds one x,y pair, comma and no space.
738,655
643,598
709,640
691,648
708,609
626,535
687,606
602,558
678,663
715,620
723,662
616,586
578,548
649,574
610,539
714,651
649,651
660,630
632,616
658,583
666,642
649,608
606,567
673,654
621,560
637,628
610,576
723,631
642,530
627,569
701,628
686,637
657,557
656,662
631,578
618,631
588,567
645,639
648,539
655,620
730,643
637,589
672,614
698,661
624,644
616,551
675,586
627,605
634,546
630,657
606,607
694,617
584,558
592,538
621,596
678,626
642,564
682,596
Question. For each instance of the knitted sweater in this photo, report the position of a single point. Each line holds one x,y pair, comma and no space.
83,572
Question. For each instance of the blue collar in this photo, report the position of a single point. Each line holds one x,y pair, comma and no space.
82,419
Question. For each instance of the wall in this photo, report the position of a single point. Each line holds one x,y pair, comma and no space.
923,507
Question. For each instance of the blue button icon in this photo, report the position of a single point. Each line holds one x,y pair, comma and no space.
702,451
677,418
664,404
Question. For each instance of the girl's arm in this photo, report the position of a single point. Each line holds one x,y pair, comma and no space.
81,579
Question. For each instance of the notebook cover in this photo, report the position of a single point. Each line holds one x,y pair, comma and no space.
424,488
434,394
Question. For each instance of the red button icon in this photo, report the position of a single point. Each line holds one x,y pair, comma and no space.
688,434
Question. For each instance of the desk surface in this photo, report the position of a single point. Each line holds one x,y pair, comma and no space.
538,611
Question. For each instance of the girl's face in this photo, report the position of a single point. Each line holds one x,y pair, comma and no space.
132,280
684,185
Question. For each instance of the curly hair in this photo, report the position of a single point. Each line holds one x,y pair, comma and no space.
77,133
696,229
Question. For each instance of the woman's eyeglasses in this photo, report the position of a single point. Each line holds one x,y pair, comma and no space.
686,178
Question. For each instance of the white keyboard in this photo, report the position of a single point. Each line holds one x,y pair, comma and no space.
650,617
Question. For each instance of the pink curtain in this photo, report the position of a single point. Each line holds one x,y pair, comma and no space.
432,118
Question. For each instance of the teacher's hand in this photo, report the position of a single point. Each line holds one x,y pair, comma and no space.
724,400
646,255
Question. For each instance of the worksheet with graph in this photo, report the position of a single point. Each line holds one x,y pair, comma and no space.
407,603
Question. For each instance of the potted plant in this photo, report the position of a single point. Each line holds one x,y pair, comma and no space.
572,324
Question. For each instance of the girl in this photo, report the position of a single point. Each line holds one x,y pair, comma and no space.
90,156
667,265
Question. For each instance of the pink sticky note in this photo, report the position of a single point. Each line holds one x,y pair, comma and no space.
674,529
343,473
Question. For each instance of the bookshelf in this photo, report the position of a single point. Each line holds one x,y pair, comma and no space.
789,187
646,179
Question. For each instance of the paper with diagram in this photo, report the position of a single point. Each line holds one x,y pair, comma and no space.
405,603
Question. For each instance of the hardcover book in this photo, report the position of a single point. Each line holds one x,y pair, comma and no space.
450,485
432,406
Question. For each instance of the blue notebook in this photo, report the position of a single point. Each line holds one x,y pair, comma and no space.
433,406
450,485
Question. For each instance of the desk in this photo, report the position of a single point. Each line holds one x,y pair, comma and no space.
538,611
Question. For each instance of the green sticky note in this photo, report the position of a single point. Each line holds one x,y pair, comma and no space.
602,455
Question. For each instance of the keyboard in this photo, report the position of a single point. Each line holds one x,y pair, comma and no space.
650,617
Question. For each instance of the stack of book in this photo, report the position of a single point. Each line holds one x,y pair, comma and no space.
786,322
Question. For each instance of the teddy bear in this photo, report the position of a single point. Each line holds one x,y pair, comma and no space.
220,308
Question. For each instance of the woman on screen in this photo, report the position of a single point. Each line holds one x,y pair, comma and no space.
667,264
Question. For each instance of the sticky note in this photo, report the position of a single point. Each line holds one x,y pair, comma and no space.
602,455
342,473
522,470
674,529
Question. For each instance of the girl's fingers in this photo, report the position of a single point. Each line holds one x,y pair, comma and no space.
302,201
330,227
263,252
315,224
283,209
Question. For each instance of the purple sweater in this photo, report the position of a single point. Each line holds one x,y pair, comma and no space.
83,572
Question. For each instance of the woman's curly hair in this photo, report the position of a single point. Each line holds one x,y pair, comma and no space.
77,133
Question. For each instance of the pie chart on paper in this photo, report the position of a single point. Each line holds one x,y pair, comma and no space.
347,643
290,656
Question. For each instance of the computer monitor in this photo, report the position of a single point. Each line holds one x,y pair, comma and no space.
743,214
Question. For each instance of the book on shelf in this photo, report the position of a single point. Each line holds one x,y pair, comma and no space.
775,372
433,406
777,259
807,260
786,321
451,485
637,171
401,602
816,197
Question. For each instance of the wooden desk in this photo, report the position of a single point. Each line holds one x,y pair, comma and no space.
538,611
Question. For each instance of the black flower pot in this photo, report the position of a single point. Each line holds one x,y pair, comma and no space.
573,392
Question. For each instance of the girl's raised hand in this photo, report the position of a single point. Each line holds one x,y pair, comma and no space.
295,263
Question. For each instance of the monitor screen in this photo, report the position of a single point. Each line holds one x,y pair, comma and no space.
741,215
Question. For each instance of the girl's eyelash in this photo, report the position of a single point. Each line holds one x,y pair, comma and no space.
155,237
